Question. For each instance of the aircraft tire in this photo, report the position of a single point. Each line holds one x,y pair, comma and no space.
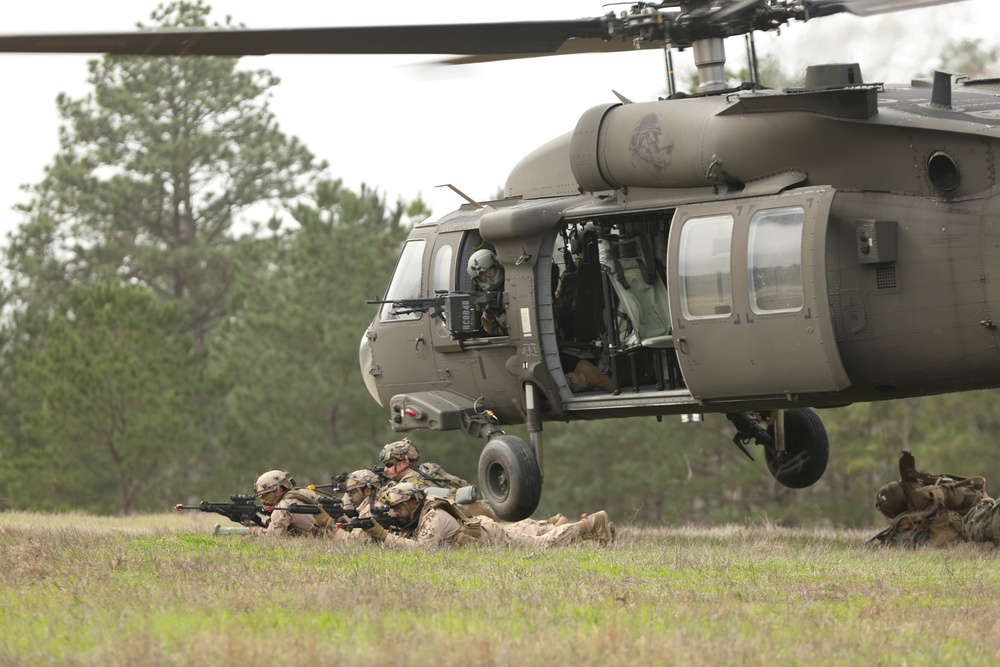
807,450
509,477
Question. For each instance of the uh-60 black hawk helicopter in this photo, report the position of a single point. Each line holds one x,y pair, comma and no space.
741,250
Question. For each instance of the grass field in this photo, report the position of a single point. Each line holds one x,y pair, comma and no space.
161,590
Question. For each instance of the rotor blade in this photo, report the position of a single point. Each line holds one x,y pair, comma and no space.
869,7
542,37
568,48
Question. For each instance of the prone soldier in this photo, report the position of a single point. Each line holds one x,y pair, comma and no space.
930,508
427,521
400,461
360,489
277,489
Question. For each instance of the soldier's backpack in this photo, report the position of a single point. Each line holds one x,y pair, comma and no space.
310,497
434,475
918,491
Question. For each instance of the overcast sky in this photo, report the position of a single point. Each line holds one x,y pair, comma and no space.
406,127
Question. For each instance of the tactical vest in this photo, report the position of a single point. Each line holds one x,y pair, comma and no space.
957,496
310,497
918,491
934,527
470,531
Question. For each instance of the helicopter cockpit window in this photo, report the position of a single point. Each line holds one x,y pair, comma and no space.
774,261
706,289
405,283
441,277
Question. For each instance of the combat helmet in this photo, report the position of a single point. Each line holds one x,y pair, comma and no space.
360,479
401,449
891,500
272,480
395,494
480,262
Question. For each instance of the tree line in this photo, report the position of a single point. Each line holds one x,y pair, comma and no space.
183,302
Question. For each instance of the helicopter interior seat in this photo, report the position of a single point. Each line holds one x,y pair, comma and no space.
588,294
642,311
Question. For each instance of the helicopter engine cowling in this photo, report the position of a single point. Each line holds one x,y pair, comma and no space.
617,145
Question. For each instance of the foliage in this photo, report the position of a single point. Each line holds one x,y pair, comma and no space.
156,167
290,351
117,392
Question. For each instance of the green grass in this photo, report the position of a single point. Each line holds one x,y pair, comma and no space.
160,590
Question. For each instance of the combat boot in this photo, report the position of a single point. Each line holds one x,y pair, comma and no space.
593,375
597,527
558,520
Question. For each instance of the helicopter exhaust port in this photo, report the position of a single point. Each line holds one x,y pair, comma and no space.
943,171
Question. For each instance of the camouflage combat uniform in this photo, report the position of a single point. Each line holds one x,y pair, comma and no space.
929,508
442,525
295,524
364,509
431,474
982,523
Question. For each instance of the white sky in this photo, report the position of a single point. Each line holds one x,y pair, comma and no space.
405,128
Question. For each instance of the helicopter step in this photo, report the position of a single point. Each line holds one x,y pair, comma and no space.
644,401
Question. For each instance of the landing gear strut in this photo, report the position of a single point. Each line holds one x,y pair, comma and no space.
796,446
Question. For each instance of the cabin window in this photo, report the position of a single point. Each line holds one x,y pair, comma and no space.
441,277
774,261
405,283
706,286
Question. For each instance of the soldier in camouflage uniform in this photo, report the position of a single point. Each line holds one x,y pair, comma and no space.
400,461
927,508
360,489
429,521
276,489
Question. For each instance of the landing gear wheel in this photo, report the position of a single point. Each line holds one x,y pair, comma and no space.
807,450
509,477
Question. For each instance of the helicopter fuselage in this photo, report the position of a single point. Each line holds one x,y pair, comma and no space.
817,248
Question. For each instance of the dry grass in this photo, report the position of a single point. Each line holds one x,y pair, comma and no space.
160,590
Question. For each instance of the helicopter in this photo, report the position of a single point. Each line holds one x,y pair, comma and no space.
740,250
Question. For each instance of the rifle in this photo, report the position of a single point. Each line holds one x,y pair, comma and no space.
332,506
379,514
457,308
241,508
338,483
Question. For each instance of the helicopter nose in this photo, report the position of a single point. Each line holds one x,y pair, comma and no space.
367,365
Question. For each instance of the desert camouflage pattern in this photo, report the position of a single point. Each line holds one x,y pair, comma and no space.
933,509
364,509
918,491
286,523
271,481
441,525
431,474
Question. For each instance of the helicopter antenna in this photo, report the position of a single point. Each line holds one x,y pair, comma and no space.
624,100
461,194
668,58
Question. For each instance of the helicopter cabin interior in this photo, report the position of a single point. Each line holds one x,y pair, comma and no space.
684,301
